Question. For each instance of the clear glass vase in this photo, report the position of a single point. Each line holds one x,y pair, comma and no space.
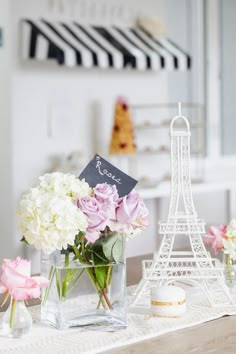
17,320
229,270
83,295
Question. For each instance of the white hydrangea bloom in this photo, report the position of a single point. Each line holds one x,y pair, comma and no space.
48,216
65,184
230,248
231,228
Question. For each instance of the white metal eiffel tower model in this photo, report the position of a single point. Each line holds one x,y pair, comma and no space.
195,266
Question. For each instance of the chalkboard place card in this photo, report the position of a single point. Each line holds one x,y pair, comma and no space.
99,170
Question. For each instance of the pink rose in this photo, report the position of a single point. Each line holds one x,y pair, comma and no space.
215,237
15,278
106,193
97,217
107,196
132,210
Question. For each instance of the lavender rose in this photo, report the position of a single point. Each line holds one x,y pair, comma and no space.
97,218
106,193
108,196
132,210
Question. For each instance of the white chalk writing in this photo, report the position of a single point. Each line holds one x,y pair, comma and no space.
106,173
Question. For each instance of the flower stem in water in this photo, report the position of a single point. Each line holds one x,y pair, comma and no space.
12,313
51,275
228,263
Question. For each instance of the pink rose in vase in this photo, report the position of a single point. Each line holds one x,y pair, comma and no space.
215,237
131,210
97,217
107,196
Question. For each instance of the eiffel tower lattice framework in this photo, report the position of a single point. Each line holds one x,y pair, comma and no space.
195,266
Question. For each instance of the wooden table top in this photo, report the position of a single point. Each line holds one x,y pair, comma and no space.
218,336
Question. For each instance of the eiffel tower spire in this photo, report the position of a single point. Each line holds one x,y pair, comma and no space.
180,168
194,266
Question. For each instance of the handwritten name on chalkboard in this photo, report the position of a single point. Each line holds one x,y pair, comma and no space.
99,170
105,172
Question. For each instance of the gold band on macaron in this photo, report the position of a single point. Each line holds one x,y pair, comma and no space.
163,303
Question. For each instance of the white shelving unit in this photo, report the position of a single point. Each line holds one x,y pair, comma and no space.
226,187
151,125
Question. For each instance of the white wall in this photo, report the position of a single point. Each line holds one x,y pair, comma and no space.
9,247
185,24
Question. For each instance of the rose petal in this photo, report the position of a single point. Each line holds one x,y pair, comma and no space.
3,289
42,282
24,294
92,236
30,283
21,266
208,239
10,278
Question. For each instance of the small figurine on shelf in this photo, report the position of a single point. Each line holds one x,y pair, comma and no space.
122,139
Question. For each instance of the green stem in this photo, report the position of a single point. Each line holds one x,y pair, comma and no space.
77,254
83,247
12,313
100,291
51,275
92,277
109,270
58,283
75,282
67,260
106,298
89,270
228,263
105,291
65,282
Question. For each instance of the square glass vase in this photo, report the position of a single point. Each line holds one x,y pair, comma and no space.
89,297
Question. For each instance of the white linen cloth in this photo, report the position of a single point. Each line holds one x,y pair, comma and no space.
48,340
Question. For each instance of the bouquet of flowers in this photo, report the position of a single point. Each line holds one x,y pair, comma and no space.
223,238
64,213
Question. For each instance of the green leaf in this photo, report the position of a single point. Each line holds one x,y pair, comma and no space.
69,276
101,275
77,241
113,247
96,257
94,253
117,250
24,240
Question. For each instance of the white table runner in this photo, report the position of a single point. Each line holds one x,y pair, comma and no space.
48,340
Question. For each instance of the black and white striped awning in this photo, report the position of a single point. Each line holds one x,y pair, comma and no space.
72,44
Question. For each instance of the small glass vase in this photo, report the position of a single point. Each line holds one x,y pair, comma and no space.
229,270
17,320
82,295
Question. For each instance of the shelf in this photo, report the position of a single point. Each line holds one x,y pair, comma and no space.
150,151
162,150
149,125
163,189
172,105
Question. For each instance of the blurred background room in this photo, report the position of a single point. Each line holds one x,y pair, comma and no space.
64,65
